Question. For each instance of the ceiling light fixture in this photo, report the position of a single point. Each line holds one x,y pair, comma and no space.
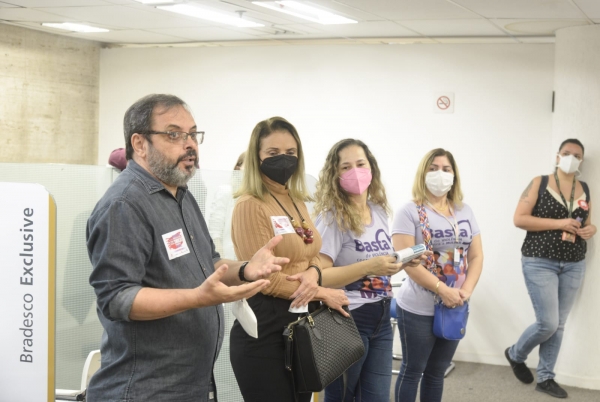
197,12
306,12
70,26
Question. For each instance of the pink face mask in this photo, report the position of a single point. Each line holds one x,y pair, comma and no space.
356,180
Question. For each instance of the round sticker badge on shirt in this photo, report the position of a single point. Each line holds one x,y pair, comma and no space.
583,205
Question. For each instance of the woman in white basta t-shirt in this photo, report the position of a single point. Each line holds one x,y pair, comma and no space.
352,219
452,273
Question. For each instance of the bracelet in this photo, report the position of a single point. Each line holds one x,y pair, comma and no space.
437,287
319,272
241,272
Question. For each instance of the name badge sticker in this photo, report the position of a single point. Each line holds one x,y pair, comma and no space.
175,244
282,225
583,205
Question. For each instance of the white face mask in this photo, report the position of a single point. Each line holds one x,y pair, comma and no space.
439,182
568,163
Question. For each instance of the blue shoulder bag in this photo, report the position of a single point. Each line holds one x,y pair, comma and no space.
448,323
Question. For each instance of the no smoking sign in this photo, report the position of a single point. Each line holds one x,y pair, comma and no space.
443,102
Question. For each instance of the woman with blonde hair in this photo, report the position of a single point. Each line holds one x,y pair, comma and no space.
438,217
271,202
352,218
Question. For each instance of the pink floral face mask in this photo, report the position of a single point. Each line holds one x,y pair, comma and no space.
356,180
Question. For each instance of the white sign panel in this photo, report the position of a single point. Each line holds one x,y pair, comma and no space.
27,292
443,102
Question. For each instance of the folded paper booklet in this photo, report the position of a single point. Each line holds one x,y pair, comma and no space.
244,314
409,254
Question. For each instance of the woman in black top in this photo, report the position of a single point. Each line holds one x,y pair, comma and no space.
556,211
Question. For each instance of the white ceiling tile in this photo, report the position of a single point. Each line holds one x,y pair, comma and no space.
285,31
591,8
395,41
206,34
57,3
38,27
543,27
252,11
337,7
409,9
127,17
309,28
281,18
362,29
30,14
522,8
328,41
479,27
346,10
262,15
130,36
530,21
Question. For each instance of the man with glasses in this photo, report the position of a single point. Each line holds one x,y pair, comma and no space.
158,280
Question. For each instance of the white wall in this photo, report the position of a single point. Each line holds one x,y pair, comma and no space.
577,83
500,133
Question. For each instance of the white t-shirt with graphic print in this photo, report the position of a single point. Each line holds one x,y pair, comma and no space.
413,297
346,248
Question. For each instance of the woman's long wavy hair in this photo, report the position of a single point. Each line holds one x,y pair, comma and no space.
252,182
330,197
419,192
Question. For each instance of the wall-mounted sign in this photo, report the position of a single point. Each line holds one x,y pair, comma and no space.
27,292
443,102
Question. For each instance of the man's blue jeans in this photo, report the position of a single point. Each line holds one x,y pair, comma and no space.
552,287
423,356
369,379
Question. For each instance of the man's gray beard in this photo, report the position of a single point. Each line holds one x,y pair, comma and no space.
166,172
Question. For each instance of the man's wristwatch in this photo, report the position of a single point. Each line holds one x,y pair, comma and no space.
241,272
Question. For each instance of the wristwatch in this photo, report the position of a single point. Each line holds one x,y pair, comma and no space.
241,272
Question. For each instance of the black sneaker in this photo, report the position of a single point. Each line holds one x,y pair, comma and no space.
550,387
521,371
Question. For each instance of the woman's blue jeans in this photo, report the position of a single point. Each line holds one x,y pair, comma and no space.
552,287
369,379
425,358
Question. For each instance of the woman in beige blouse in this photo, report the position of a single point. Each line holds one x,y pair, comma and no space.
271,202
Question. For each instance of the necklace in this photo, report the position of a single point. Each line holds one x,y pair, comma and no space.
455,224
442,207
303,231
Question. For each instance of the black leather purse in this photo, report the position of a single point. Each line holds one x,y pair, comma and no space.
320,347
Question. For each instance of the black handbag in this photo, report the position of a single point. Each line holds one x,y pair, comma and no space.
320,347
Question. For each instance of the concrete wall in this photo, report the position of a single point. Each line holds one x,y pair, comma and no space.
49,87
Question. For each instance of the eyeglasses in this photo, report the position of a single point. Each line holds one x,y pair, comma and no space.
180,136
